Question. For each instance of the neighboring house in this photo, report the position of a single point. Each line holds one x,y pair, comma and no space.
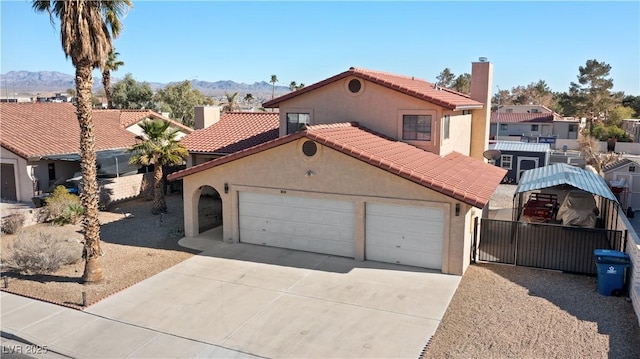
632,127
219,135
518,125
40,145
567,128
525,109
403,184
517,157
624,178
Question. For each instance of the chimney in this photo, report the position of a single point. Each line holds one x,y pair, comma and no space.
481,84
206,116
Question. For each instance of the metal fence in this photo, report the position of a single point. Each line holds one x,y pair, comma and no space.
548,246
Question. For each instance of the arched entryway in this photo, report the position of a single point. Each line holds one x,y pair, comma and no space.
209,209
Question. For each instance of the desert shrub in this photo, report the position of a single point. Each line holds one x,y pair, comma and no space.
12,223
43,253
62,207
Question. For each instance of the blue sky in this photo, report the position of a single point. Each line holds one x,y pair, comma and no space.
306,42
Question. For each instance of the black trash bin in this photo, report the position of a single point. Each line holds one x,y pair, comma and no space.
611,267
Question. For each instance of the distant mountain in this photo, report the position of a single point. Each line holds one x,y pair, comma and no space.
51,81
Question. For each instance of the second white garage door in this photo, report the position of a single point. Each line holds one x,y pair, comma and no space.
404,235
301,223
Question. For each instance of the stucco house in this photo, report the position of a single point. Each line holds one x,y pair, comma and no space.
40,145
367,165
218,135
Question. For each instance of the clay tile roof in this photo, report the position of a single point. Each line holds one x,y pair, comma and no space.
234,132
464,178
504,117
33,130
131,117
405,84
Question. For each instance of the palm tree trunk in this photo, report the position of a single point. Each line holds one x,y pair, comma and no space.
90,195
106,83
159,203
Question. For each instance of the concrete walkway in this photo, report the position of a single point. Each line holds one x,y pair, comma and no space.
241,300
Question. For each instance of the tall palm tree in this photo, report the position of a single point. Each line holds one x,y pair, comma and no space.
160,147
273,81
293,86
112,64
232,103
86,29
248,97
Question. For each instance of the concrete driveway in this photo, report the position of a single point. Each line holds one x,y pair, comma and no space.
272,302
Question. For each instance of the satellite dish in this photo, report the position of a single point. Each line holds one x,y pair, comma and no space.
492,155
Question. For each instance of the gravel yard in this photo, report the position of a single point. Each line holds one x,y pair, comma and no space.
136,245
502,311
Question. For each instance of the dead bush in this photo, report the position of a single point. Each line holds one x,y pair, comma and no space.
12,223
43,253
62,207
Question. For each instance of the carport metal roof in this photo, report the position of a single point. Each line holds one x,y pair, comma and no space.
564,174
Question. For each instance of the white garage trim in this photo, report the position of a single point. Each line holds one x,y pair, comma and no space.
296,222
405,234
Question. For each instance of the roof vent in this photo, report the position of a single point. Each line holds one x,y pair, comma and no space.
482,59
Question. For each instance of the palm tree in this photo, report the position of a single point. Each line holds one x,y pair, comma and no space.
112,64
232,103
293,86
273,81
86,29
160,147
248,97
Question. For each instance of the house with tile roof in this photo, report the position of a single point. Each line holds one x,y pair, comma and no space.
367,165
512,122
40,144
218,135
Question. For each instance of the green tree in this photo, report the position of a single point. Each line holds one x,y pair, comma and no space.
112,64
633,102
86,30
71,92
618,114
446,78
273,81
131,94
232,103
592,92
462,83
248,97
293,85
160,147
179,100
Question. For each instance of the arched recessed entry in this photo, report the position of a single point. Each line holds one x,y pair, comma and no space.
209,209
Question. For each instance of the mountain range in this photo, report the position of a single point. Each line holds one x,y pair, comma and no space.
52,81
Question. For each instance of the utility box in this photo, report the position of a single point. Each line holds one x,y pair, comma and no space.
611,266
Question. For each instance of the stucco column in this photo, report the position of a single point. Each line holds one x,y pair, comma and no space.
481,83
359,230
190,198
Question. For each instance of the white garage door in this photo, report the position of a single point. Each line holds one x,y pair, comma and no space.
307,224
405,235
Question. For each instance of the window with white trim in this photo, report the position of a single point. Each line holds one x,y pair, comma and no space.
416,127
535,128
297,121
505,161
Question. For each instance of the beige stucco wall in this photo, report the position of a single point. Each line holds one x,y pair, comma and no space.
377,108
281,170
459,134
22,173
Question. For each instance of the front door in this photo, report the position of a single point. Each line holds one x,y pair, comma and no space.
525,164
8,190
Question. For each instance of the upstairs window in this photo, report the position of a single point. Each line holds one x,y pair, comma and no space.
534,128
416,127
504,127
509,110
573,128
297,121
